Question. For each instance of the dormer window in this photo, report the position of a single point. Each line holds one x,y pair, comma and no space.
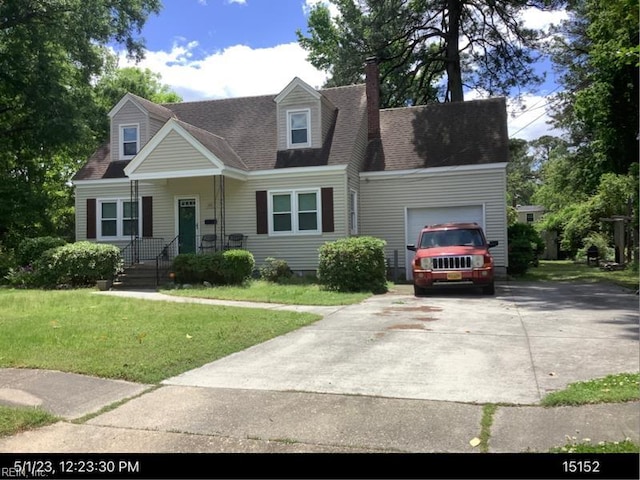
298,121
129,141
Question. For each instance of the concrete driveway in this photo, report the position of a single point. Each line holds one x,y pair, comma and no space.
528,340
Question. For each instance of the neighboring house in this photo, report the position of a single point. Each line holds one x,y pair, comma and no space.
292,171
529,213
532,213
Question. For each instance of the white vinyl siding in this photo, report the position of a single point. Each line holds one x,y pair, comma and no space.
122,191
385,200
174,154
295,212
300,251
115,218
299,100
129,114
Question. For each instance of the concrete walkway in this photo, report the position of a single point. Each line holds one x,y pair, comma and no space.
393,374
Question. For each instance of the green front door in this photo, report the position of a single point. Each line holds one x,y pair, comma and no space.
187,225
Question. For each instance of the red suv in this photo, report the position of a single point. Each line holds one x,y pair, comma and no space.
452,254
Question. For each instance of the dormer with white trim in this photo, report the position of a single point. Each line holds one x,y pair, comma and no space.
134,121
304,116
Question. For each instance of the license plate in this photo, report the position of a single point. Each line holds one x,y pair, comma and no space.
454,276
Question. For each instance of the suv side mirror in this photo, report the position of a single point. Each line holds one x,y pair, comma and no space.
493,243
411,247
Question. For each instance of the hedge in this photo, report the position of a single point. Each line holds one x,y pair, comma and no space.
353,264
228,267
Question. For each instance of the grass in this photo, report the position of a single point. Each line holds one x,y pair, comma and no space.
567,270
295,292
626,446
15,420
130,339
622,387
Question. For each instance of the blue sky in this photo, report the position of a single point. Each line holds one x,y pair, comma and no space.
227,48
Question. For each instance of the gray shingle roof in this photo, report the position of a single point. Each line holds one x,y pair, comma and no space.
440,135
242,132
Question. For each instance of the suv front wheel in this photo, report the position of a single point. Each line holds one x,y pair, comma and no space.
419,291
489,289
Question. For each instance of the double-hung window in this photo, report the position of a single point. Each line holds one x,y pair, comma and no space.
298,134
294,212
117,219
129,141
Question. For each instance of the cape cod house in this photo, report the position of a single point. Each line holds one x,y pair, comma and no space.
282,174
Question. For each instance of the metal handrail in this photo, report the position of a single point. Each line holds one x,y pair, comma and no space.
165,258
140,249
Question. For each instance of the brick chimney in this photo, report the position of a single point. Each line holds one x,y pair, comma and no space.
372,82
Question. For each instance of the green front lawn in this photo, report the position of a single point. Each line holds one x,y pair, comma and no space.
131,339
14,420
567,270
622,387
295,292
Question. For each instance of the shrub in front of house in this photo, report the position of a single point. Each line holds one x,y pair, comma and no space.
237,266
79,264
525,245
353,264
275,270
218,268
30,249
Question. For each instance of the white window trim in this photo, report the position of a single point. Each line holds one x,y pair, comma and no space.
307,112
119,218
353,196
121,140
294,212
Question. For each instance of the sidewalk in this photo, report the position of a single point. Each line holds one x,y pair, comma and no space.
180,417
197,420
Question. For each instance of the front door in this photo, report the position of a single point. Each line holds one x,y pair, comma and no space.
187,225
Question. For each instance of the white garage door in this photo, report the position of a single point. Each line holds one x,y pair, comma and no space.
417,218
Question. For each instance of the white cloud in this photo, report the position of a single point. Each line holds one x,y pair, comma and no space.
239,2
530,120
236,71
308,4
542,20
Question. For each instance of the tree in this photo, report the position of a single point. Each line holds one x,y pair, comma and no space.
146,84
50,51
117,82
477,44
521,178
596,52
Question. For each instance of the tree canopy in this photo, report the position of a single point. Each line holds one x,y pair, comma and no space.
50,52
474,44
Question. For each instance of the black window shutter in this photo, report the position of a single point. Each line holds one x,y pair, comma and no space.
262,212
327,210
147,217
91,218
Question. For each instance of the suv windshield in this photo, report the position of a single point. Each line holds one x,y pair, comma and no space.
447,238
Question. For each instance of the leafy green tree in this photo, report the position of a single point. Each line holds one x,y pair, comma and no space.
521,177
117,82
142,82
474,43
50,51
596,52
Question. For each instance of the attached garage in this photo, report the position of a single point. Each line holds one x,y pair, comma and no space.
417,218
